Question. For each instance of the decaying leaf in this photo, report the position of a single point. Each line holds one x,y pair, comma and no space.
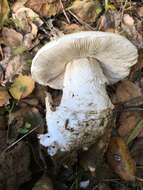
71,28
4,12
120,160
25,119
128,122
27,20
17,5
11,37
45,8
126,91
22,86
137,154
87,10
4,96
129,30
17,65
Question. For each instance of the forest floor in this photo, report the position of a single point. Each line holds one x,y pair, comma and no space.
25,26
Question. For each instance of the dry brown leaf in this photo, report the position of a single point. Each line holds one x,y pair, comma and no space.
26,18
120,160
11,37
129,30
140,11
27,42
128,20
45,8
87,11
111,20
40,94
22,86
127,90
137,154
127,123
4,96
71,28
18,4
36,5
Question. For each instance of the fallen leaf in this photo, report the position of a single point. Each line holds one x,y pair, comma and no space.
45,182
127,90
128,122
26,118
27,42
136,129
128,20
24,18
4,12
87,10
17,65
22,87
31,101
40,94
137,154
11,37
140,11
18,4
136,72
129,30
70,28
4,96
120,159
112,19
46,8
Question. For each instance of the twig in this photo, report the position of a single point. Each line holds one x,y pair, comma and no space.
81,21
139,179
64,11
123,8
13,144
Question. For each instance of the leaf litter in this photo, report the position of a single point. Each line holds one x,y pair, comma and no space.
28,25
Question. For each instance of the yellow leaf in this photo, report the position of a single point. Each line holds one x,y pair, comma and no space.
119,158
111,7
22,86
4,96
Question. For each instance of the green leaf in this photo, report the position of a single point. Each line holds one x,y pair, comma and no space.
98,11
34,118
23,131
27,125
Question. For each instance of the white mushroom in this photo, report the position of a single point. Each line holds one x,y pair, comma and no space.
81,64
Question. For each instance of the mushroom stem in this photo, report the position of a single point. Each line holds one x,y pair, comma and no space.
84,109
84,86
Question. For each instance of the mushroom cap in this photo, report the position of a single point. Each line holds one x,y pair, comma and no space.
115,53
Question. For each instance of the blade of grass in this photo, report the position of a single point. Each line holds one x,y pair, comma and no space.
106,5
139,125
